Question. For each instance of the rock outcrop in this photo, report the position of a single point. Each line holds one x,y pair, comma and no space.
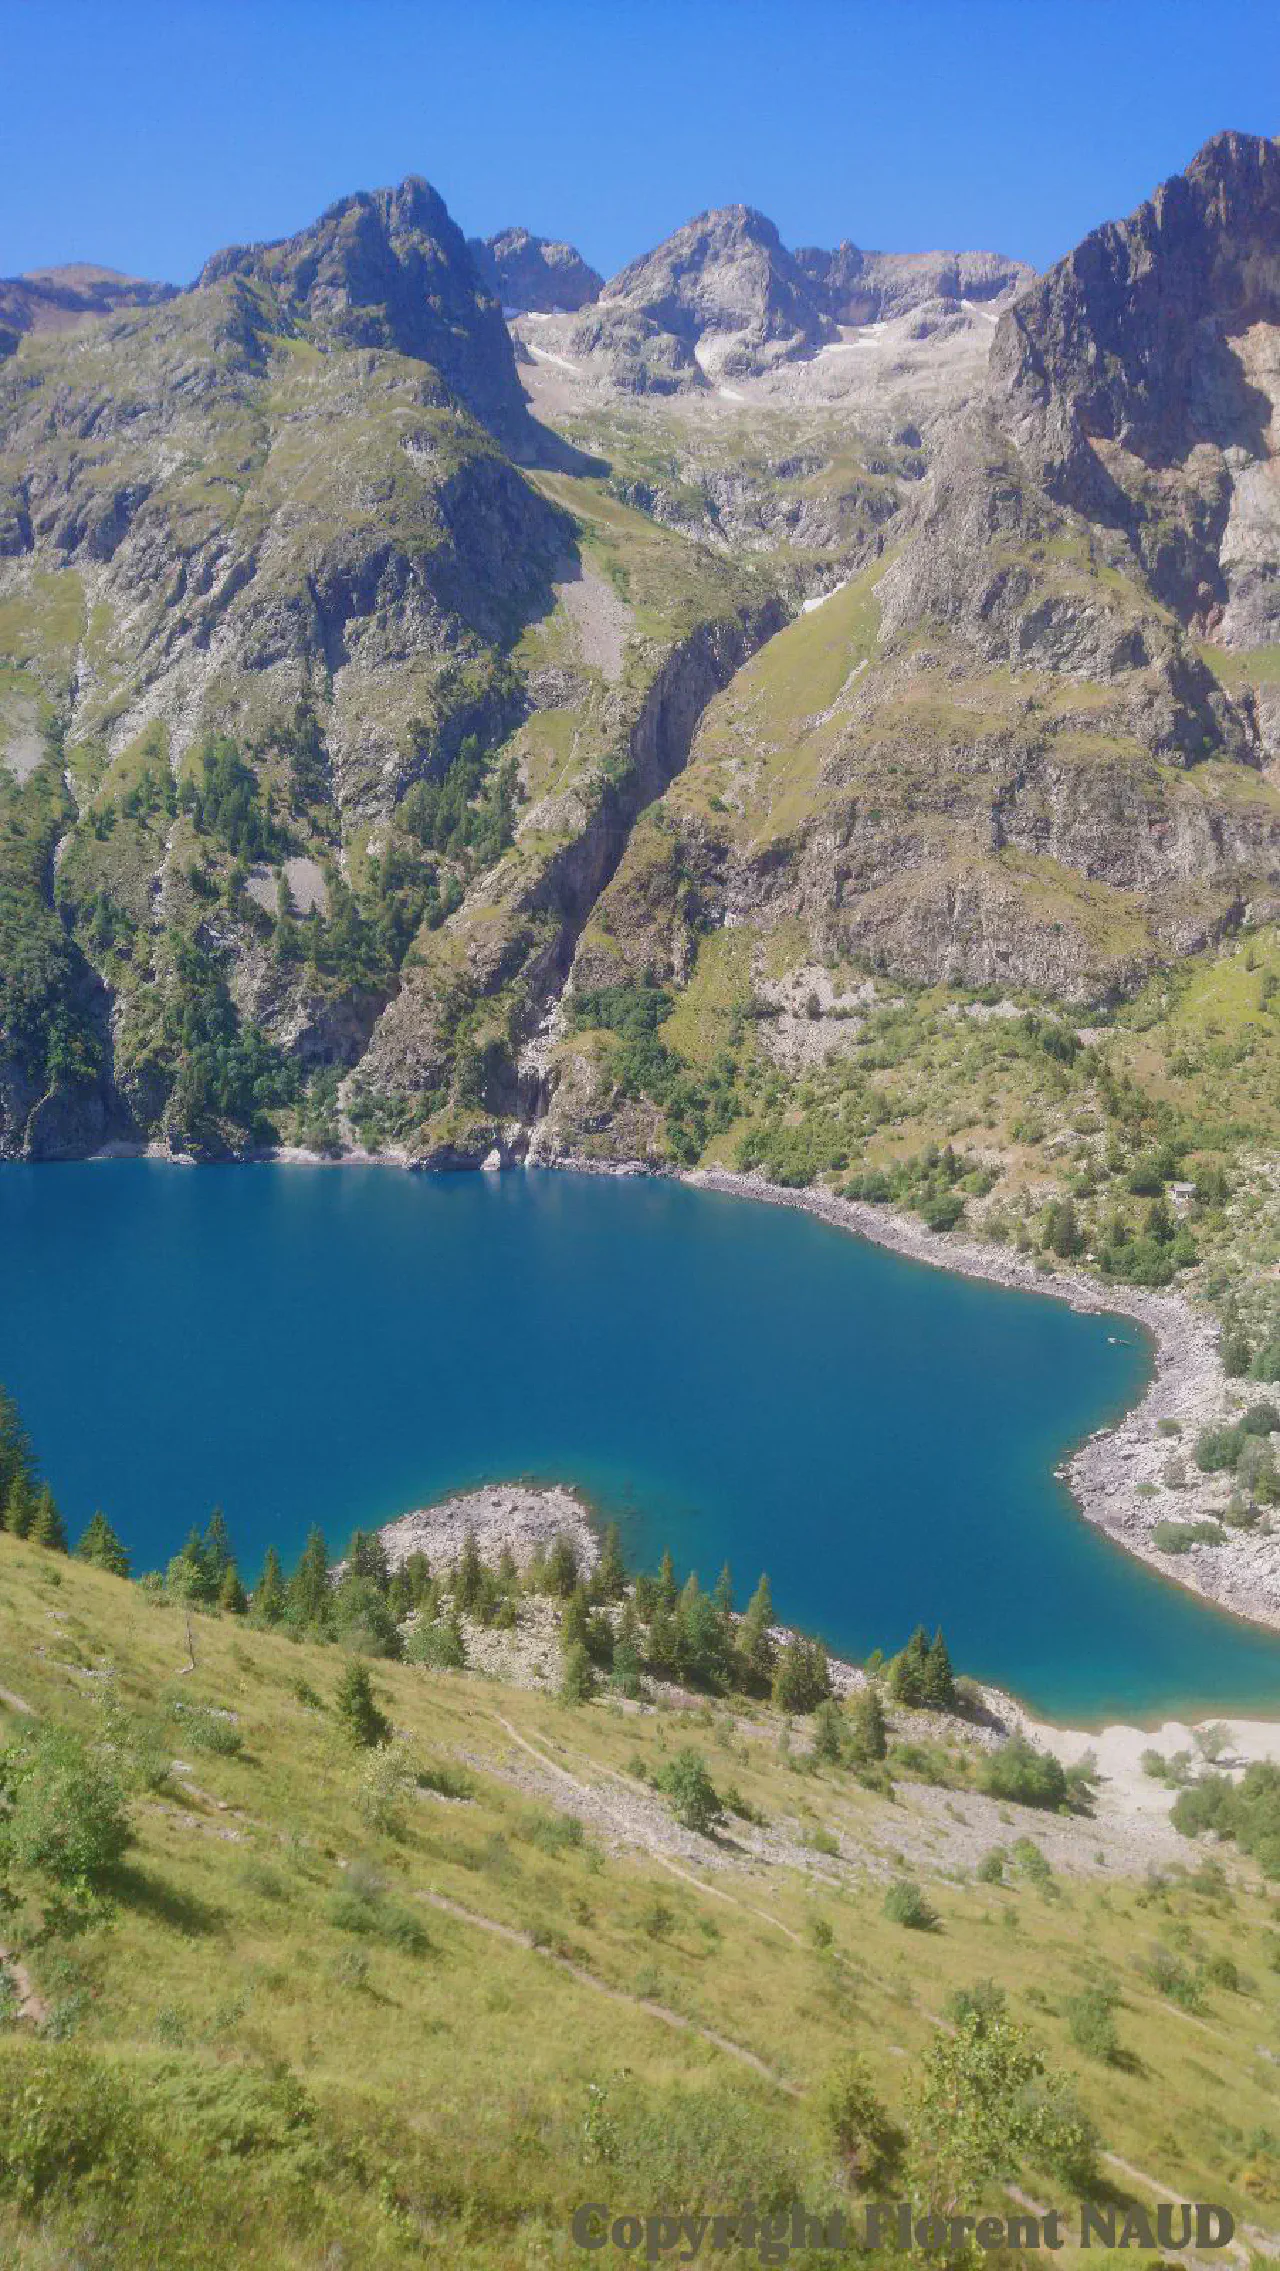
727,288
1142,374
857,287
534,275
390,268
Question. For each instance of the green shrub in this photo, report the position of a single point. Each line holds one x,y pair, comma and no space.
204,1729
65,2121
867,2144
1031,1862
1218,1448
990,1869
446,1781
1248,1811
905,1904
1090,2016
986,2102
677,2142
554,1833
821,1841
803,1677
1170,1976
984,2001
1222,1971
439,1647
67,1820
695,1801
1024,1776
362,1904
1179,1537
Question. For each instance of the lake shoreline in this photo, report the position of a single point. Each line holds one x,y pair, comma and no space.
1114,1476
524,1518
1105,1474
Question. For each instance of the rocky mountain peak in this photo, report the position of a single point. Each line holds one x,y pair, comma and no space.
725,275
534,275
390,268
1130,328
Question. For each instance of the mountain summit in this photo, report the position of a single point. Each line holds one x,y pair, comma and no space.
391,268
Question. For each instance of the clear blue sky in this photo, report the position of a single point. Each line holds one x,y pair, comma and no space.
145,133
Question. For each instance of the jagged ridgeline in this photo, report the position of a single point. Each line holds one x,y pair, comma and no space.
414,734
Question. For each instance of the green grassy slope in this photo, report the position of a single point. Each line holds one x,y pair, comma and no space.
334,2009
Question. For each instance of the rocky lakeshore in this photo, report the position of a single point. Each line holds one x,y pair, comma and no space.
519,1518
1118,1476
1127,1828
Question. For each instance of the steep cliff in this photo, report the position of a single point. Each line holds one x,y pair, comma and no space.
382,766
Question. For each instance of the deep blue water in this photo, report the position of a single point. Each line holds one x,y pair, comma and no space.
313,1345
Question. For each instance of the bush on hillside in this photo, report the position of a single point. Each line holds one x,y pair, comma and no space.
695,1801
905,1904
1024,1776
66,1818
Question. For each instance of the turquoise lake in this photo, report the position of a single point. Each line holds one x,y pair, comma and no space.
741,1382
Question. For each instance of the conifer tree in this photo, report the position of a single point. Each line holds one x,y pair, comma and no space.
578,1683
867,1733
803,1677
418,1571
668,1592
663,1640
367,1557
232,1598
610,1579
17,1463
562,1567
189,1576
723,1594
22,1506
269,1592
357,1709
309,1590
100,1545
468,1574
829,1732
573,1624
939,1680
399,1593
909,1669
626,1653
217,1544
49,1529
755,1649
702,1642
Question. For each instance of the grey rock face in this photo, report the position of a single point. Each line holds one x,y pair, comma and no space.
390,268
857,287
534,275
1142,374
726,279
